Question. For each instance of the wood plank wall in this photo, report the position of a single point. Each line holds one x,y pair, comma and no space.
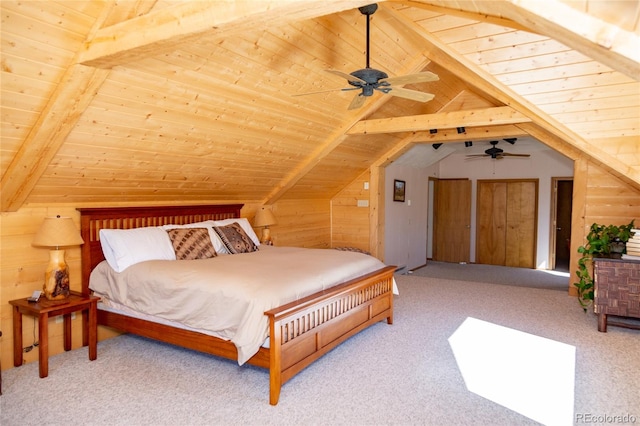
302,223
598,197
350,223
609,200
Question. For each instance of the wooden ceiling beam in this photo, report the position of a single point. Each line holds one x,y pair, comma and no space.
166,29
605,42
569,151
489,85
395,152
73,94
443,120
473,134
551,140
471,15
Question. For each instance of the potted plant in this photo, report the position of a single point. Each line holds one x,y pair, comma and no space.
602,241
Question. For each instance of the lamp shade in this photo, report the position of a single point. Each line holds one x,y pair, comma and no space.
57,232
264,217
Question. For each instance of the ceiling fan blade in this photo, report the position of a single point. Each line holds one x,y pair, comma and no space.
478,155
357,101
411,78
414,95
328,90
516,155
349,77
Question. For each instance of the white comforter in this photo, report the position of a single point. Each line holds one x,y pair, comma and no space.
229,294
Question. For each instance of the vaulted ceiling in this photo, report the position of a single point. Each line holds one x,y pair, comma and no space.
157,101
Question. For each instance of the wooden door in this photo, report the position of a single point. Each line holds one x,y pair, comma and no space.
521,224
491,221
507,223
452,220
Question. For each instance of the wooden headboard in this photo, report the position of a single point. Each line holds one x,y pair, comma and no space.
92,220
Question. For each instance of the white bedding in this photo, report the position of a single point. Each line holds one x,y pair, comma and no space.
227,295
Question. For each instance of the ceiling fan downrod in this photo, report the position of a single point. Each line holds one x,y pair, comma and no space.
368,11
370,79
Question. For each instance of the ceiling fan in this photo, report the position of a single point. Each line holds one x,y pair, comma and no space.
368,79
497,153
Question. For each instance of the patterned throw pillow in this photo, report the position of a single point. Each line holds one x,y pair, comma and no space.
191,243
235,239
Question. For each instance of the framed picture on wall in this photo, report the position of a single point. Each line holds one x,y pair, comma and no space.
398,190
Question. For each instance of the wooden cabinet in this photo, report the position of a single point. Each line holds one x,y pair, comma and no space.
506,222
616,292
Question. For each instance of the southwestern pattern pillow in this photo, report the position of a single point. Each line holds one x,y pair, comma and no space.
235,239
191,243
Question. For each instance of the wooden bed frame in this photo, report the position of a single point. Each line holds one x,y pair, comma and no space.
300,332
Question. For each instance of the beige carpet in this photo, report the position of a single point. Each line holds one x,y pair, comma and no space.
401,374
504,275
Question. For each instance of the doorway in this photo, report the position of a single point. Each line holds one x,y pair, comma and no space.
560,238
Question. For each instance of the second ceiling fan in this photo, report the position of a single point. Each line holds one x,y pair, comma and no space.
368,80
498,153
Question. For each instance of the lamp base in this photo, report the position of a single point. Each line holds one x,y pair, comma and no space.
56,277
266,236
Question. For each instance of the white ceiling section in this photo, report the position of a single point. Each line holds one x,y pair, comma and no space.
154,101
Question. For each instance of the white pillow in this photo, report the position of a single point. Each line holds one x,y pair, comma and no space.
246,227
125,247
204,224
218,245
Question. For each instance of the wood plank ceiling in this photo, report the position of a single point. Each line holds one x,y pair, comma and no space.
158,101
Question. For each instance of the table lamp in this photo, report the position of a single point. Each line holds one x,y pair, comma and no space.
56,232
264,219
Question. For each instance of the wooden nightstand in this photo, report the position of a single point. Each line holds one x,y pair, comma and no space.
43,309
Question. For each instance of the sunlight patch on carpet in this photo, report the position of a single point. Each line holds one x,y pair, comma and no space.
556,273
531,375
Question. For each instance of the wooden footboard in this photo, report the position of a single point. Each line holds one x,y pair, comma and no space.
303,331
300,332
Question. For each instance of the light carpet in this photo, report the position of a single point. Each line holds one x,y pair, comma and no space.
401,374
504,275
